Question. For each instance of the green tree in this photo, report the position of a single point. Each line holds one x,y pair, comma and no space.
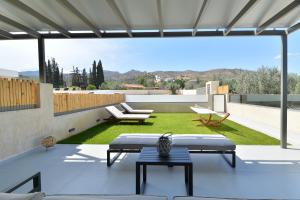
56,75
147,80
141,80
90,76
247,83
91,87
112,86
52,73
181,83
268,80
297,88
292,82
49,74
94,73
99,74
173,87
61,78
76,77
84,79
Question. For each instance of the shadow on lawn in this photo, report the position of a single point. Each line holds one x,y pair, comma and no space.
223,128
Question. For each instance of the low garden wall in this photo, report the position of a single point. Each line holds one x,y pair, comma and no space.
22,130
167,103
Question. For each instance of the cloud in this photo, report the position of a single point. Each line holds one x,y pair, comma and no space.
296,54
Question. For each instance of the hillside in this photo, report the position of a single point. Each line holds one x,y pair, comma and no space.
188,74
133,74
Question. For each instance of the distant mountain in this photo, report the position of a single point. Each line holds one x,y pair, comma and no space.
187,74
8,73
117,76
133,74
29,73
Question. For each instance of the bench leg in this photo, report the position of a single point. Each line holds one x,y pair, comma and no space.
232,163
109,161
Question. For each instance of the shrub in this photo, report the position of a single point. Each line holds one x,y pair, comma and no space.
91,87
173,87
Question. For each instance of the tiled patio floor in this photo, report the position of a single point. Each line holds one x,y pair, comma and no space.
292,137
262,172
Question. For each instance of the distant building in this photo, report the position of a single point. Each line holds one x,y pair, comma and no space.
212,87
169,79
133,86
8,73
157,79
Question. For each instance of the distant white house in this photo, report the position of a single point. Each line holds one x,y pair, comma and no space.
157,79
8,73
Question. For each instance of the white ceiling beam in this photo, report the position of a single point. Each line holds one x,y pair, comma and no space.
160,18
277,16
119,14
201,11
68,5
244,10
6,34
294,28
38,16
18,25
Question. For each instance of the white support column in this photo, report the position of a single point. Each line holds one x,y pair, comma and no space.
284,91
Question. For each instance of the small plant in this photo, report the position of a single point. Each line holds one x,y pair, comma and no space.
173,87
91,87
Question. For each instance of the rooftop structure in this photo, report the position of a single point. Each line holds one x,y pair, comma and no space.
67,114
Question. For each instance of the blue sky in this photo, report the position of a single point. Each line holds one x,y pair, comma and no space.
155,54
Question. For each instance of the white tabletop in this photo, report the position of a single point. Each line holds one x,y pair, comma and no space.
200,110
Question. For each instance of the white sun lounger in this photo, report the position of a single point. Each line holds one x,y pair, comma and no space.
118,115
133,111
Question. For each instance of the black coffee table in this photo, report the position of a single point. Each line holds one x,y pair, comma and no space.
178,157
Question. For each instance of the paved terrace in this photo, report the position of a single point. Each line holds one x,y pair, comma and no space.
293,138
262,172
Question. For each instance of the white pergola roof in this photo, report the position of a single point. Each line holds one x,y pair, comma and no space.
105,18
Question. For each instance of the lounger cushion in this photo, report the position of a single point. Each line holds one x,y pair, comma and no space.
130,110
134,141
201,198
203,142
119,115
104,197
134,116
141,111
191,141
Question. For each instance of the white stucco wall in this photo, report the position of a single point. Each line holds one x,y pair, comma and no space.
265,115
167,98
213,85
23,130
167,103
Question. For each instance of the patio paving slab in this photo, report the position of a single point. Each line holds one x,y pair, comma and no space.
261,172
292,137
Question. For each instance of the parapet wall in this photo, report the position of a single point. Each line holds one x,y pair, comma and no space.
22,130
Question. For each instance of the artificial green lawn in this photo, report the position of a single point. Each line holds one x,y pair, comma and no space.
180,123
